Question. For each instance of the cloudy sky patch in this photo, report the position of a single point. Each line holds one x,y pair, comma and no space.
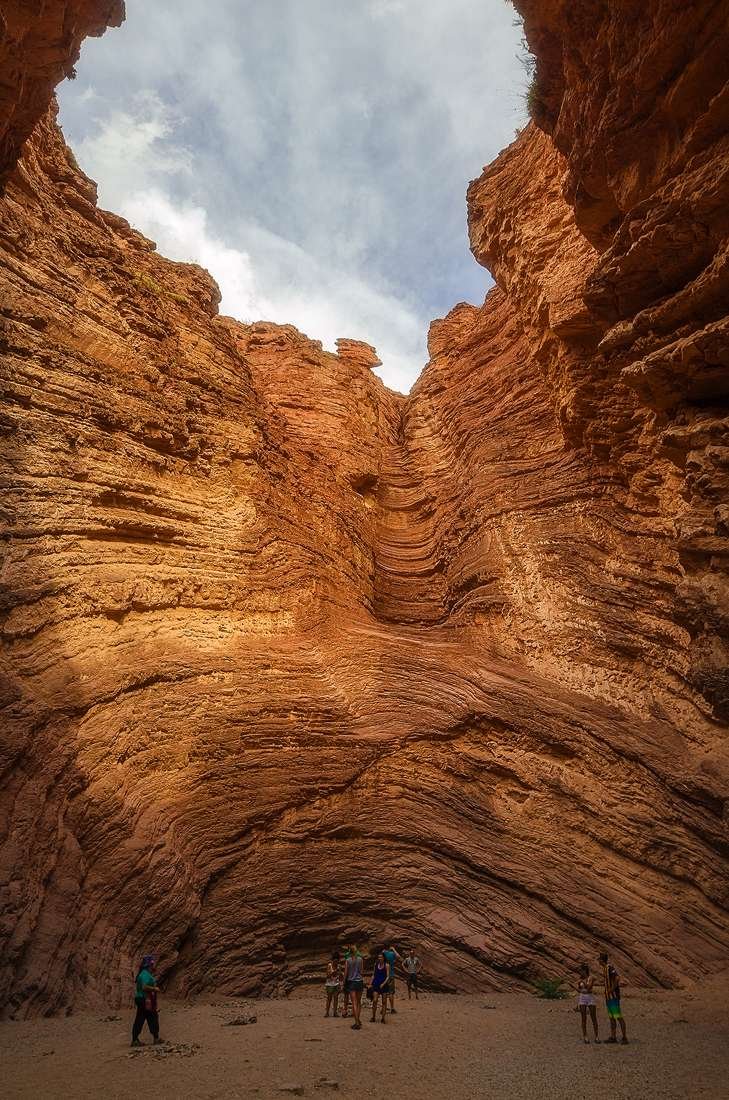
313,155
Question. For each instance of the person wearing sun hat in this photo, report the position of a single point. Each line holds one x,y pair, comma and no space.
145,999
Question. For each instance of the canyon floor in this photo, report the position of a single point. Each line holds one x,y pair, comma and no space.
510,1046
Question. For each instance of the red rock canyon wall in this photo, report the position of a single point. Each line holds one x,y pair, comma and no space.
289,657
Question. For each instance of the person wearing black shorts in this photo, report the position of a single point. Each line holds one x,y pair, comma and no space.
392,955
411,966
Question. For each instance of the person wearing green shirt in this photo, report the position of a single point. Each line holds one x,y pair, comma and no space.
145,999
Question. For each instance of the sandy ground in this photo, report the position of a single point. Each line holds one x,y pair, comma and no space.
456,1048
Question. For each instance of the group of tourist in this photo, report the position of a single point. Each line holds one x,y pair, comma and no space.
345,975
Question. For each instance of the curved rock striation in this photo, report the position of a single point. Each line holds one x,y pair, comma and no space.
645,134
288,657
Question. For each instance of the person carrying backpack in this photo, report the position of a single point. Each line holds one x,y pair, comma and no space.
145,999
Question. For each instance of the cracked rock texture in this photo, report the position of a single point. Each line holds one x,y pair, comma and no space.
288,657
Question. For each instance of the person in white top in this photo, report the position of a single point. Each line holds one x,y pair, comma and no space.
411,966
586,1001
333,983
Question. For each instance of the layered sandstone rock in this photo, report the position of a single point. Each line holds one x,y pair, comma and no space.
289,657
39,45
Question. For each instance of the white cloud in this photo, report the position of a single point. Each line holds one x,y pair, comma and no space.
136,160
181,233
313,156
125,148
381,9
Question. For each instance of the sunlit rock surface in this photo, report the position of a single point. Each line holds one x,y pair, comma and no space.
289,657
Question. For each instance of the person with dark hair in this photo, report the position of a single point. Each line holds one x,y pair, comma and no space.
333,983
411,966
345,1008
378,986
354,983
391,956
145,999
612,997
586,1001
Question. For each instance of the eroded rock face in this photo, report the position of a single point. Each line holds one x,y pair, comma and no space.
289,657
39,45
639,112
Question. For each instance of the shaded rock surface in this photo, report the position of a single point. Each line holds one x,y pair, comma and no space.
289,657
39,45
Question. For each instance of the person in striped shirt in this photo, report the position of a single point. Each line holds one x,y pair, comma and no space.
611,979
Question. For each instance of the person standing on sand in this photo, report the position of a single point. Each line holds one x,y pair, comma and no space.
380,979
354,983
391,955
586,1001
612,997
345,1009
333,983
411,966
145,998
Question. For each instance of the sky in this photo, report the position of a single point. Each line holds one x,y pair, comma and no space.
313,155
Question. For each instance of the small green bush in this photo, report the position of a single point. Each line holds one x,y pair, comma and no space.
551,989
146,282
532,96
534,105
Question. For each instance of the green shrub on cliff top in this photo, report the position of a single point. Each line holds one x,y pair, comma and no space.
146,282
533,100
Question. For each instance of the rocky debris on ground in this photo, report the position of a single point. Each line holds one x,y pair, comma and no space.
166,1050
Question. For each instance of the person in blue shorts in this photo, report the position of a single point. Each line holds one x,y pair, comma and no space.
354,983
345,1008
